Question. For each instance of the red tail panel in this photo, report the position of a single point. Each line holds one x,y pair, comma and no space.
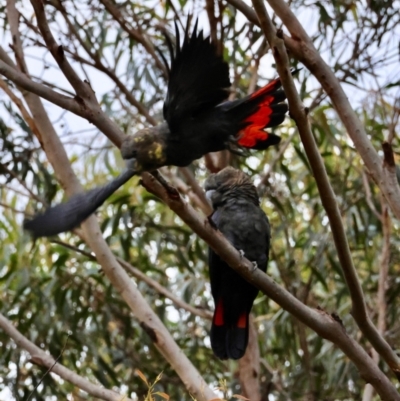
242,322
254,133
219,314
258,121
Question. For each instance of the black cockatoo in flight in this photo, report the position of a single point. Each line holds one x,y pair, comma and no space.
198,120
237,214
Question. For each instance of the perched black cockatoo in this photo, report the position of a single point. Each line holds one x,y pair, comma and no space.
237,214
198,120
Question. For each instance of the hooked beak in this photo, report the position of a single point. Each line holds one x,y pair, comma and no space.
128,150
131,164
209,194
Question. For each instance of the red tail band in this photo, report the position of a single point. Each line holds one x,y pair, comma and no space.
218,319
242,322
260,119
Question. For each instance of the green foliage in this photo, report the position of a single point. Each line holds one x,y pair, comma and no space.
51,292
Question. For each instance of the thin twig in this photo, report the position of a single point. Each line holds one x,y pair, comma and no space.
271,166
85,96
2,204
23,184
40,357
134,34
148,280
368,196
97,63
49,369
63,101
18,102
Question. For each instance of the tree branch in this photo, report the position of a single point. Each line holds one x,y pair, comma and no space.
97,63
212,21
86,98
81,88
382,285
196,188
272,164
40,357
249,366
368,197
47,135
98,118
179,303
134,34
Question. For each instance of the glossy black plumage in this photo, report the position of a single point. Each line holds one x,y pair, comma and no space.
238,216
197,121
198,80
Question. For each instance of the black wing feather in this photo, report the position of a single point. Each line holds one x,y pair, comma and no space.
170,49
177,40
164,60
199,79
